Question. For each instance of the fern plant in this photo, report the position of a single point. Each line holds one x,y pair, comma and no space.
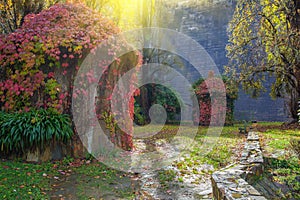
34,129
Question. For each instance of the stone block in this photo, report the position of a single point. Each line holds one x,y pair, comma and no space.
252,136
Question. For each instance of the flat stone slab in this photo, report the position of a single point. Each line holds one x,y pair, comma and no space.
252,136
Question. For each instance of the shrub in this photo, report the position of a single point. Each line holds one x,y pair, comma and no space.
34,129
204,99
157,94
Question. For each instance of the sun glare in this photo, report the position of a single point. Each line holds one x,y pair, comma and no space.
127,14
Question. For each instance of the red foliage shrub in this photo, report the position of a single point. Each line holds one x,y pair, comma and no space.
211,92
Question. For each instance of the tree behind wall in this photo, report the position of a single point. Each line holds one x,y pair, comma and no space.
264,42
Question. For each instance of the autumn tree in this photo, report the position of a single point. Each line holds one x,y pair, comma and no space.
264,42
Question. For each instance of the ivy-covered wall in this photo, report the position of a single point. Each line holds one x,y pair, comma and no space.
39,61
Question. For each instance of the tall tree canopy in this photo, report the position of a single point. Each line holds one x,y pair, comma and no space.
264,42
13,12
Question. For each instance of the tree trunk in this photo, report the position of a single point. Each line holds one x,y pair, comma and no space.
296,97
295,94
293,105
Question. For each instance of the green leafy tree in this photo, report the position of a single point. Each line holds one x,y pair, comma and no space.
13,12
108,8
264,42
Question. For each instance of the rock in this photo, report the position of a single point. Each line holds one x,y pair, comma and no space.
238,189
253,191
205,192
252,136
258,198
236,195
39,156
46,155
33,156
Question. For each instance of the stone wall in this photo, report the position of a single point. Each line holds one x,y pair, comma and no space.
234,181
207,24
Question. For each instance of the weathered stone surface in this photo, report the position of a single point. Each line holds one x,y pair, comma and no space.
39,155
252,136
253,191
191,187
252,152
46,155
205,192
257,198
33,156
232,182
272,190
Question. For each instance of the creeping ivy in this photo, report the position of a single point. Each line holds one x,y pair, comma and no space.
38,62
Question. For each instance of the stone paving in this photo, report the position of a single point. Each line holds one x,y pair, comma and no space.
193,186
151,188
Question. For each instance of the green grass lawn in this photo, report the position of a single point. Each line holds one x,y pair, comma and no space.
24,181
80,178
283,164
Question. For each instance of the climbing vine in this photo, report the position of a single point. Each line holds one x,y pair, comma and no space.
206,96
49,40
39,61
